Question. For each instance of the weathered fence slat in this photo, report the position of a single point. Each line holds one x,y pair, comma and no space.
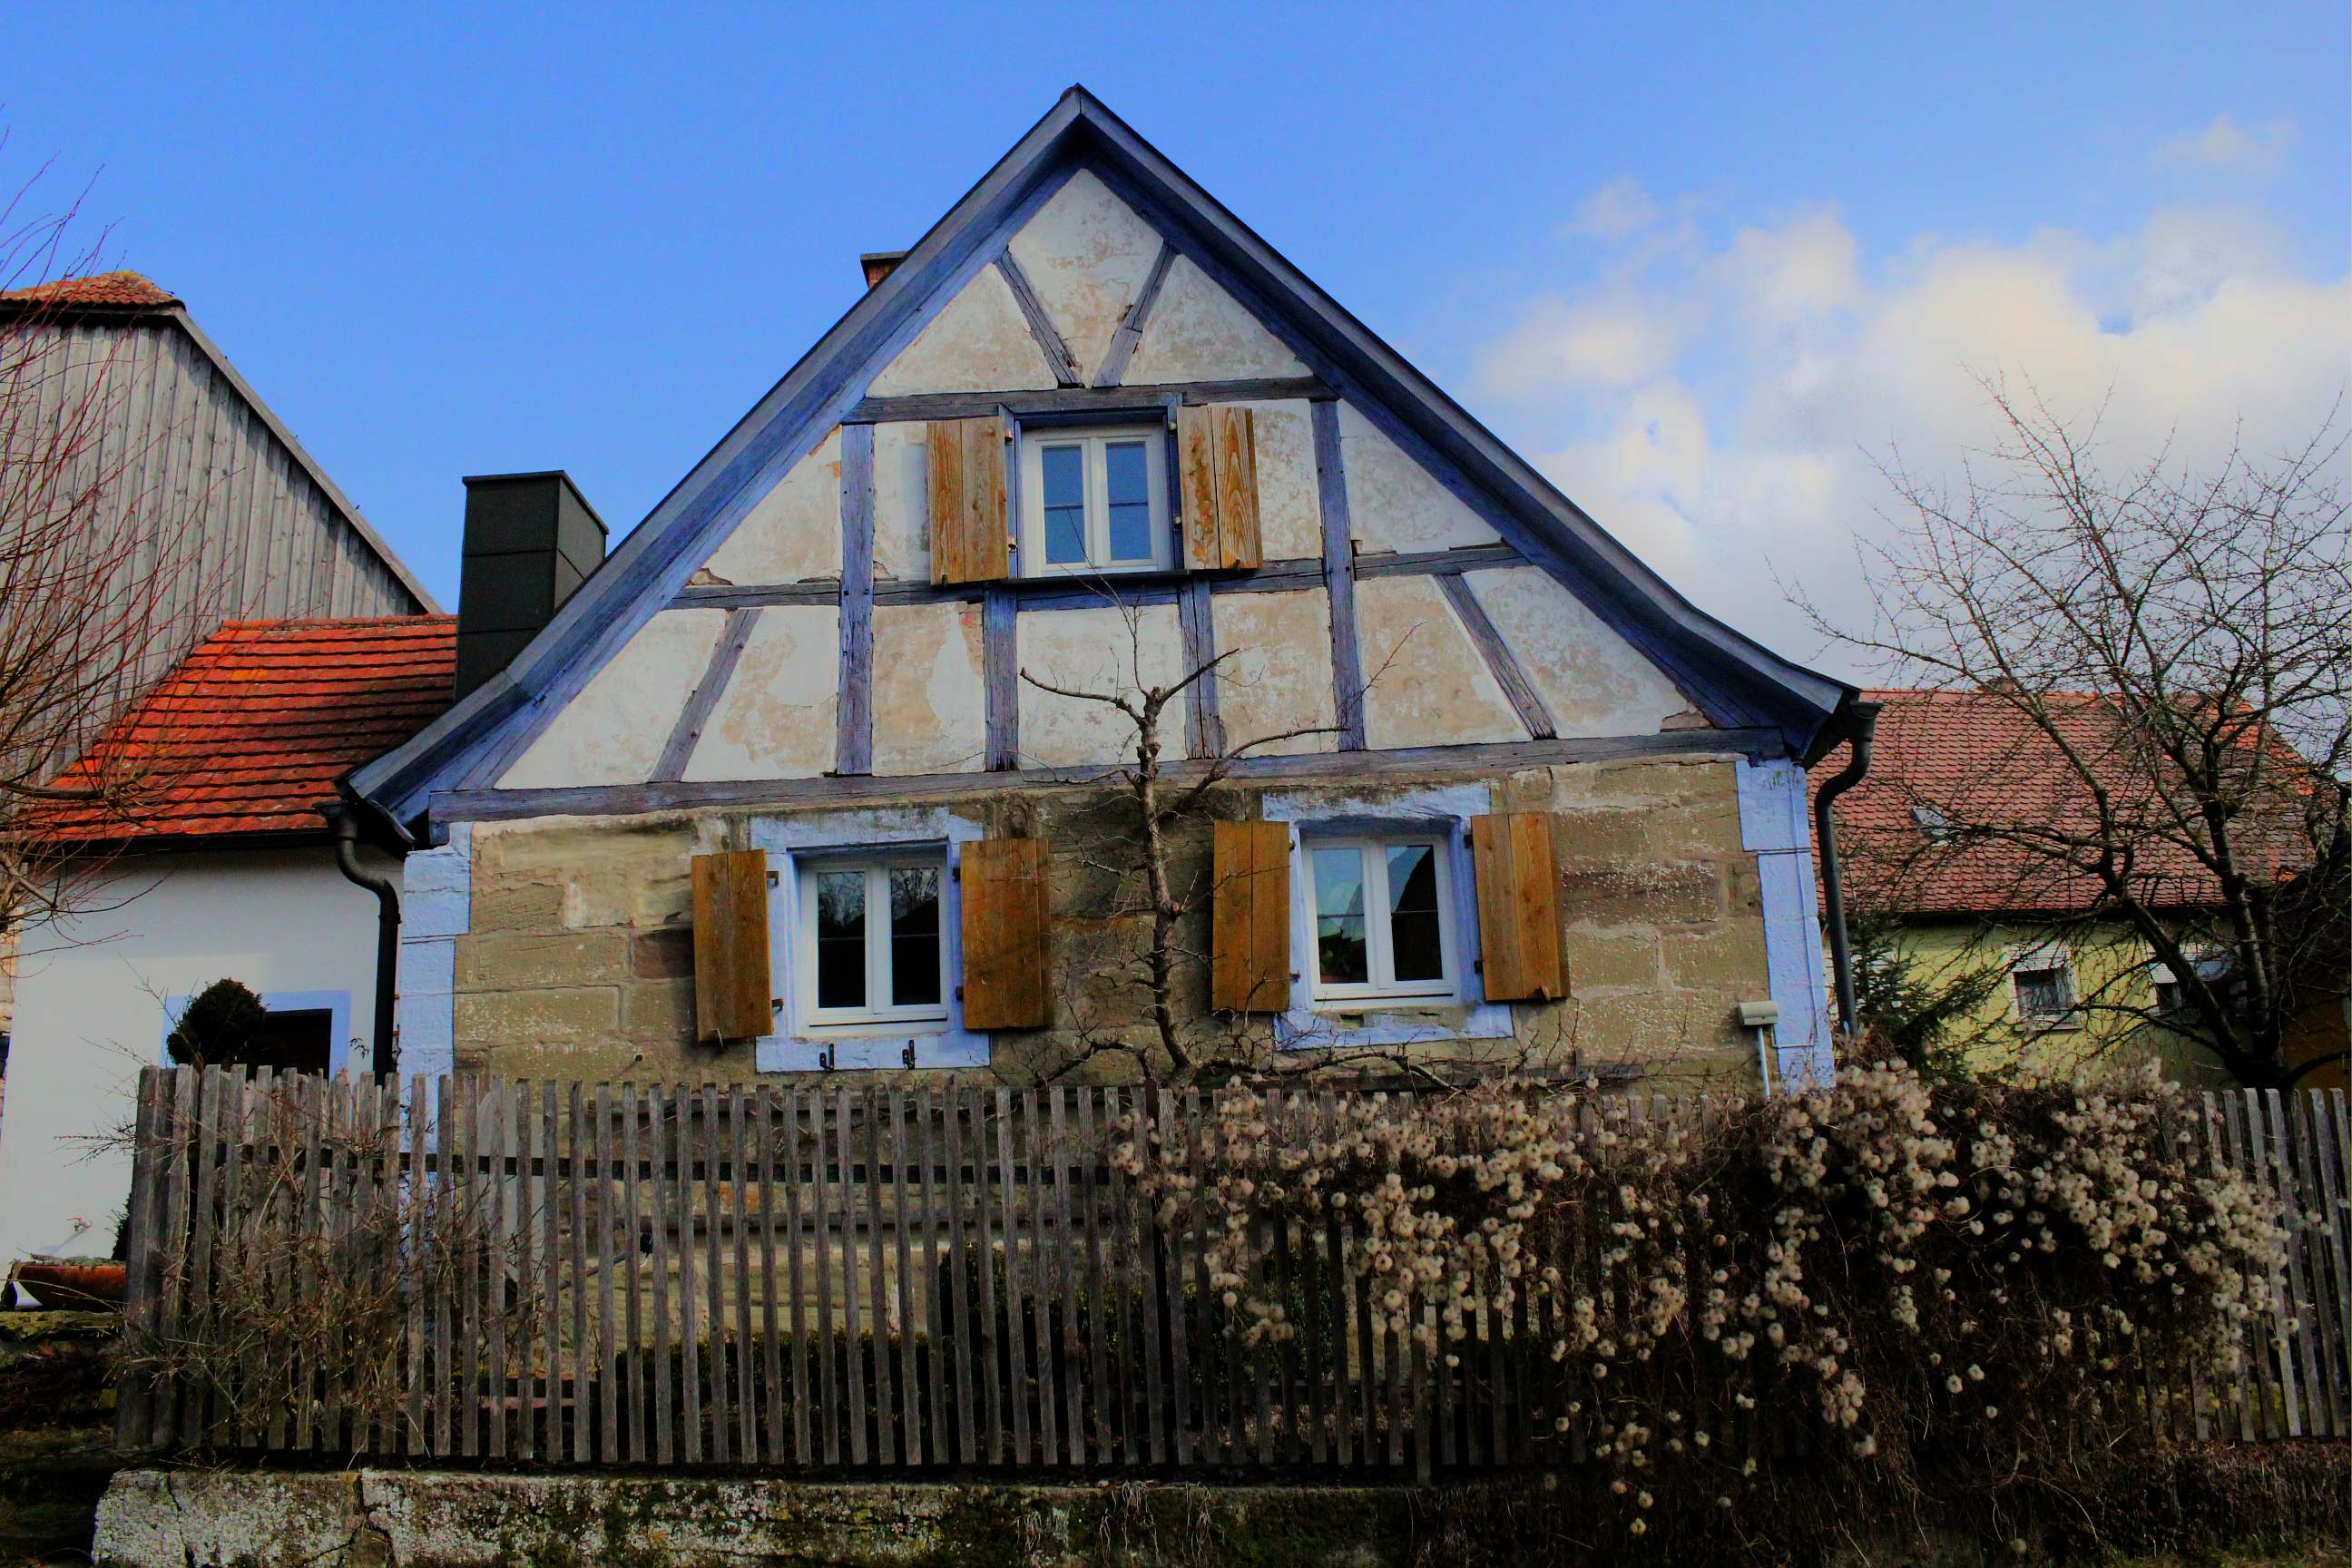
885,1413
905,1340
801,1452
661,1145
764,1128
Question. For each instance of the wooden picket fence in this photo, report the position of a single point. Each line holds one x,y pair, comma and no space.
837,1278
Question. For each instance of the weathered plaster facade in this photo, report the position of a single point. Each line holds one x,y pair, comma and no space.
1396,619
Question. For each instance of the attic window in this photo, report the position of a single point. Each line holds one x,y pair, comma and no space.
1095,501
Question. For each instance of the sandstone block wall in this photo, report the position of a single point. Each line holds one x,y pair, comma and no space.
579,958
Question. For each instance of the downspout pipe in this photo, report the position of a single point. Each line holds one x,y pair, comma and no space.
1861,723
387,930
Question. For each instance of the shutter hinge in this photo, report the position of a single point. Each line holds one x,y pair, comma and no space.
1477,966
775,880
959,991
909,1053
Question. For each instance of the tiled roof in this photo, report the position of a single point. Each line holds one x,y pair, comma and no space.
123,288
254,726
1975,758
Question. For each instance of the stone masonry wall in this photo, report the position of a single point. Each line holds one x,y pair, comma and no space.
578,957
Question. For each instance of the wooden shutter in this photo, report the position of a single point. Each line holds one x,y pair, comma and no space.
1216,449
969,542
1249,965
1006,931
1518,907
731,946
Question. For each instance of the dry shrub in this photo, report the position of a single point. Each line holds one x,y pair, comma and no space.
1916,1290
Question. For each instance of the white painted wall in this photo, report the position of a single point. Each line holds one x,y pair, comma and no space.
90,998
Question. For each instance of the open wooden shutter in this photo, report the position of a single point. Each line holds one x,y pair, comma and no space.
1006,930
1249,964
731,946
970,537
1518,907
1216,449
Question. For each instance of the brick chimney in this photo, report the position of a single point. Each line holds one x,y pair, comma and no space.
880,264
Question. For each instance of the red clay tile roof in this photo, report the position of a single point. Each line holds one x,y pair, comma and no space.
1972,755
123,288
254,727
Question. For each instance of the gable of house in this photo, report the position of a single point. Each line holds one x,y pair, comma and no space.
1404,581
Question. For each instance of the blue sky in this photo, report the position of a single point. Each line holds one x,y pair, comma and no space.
1693,261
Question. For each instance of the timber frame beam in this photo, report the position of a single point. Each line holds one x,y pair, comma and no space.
1337,768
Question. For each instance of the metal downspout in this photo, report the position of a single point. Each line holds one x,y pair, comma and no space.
1861,725
387,932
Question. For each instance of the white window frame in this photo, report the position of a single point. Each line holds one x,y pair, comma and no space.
875,1017
2042,961
1094,441
1382,989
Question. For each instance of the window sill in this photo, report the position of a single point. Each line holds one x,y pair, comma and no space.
865,1053
1388,1023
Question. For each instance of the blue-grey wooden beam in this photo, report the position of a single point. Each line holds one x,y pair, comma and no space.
1000,659
1041,325
1341,768
1085,400
853,751
1500,659
1340,579
679,749
1204,727
1130,326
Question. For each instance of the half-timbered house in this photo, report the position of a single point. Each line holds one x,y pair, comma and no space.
812,774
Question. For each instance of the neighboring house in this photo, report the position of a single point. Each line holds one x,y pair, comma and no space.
791,738
2077,984
184,454
229,874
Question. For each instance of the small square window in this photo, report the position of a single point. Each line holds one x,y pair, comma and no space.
872,956
1381,914
1095,501
2044,986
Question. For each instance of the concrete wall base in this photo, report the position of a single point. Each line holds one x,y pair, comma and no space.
444,1519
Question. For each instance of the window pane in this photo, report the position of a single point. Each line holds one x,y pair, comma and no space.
1413,934
2043,993
1340,955
915,936
1066,505
840,939
1130,499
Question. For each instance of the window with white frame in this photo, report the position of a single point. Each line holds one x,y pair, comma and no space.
2044,987
873,957
1095,501
1381,910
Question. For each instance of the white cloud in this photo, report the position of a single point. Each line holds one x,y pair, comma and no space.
2225,146
1618,210
1721,410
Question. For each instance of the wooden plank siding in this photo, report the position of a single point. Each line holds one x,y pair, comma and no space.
184,456
959,1310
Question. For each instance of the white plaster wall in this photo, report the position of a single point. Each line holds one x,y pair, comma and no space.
613,731
979,342
793,532
1395,503
1429,686
1278,675
89,1012
1088,254
1594,681
929,709
1093,651
776,720
902,501
1289,503
1197,331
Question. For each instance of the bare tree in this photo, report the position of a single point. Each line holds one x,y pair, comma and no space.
85,578
2170,653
